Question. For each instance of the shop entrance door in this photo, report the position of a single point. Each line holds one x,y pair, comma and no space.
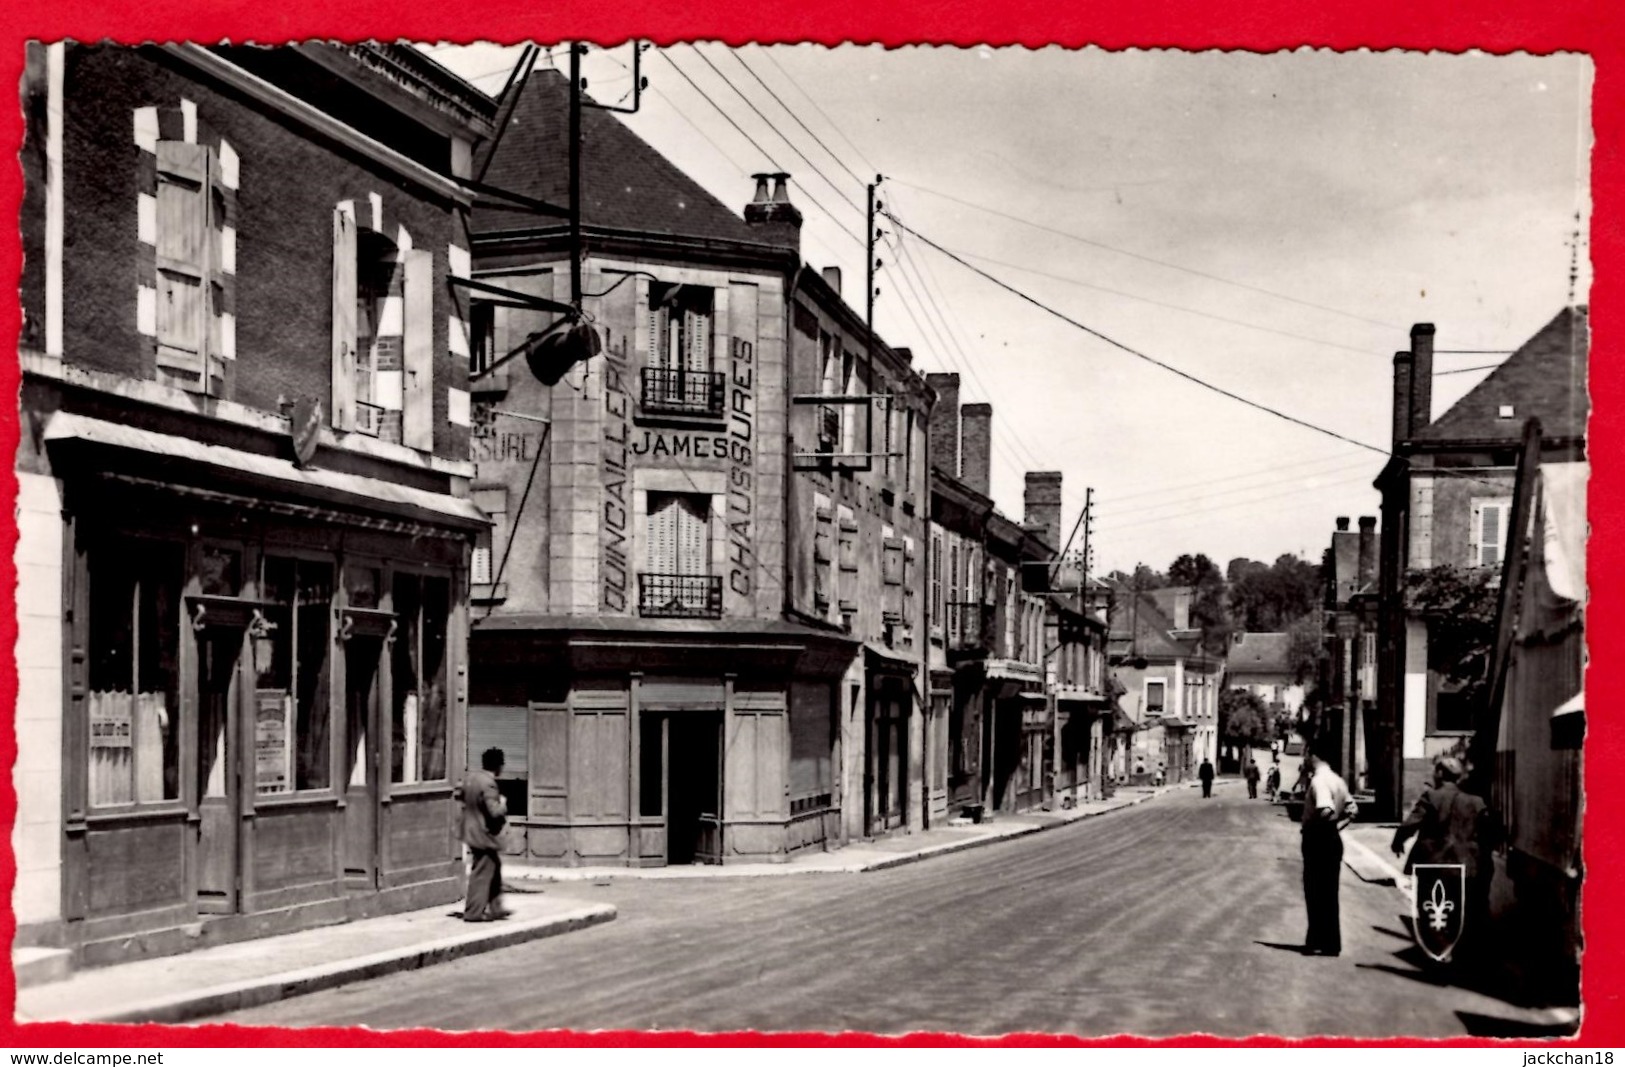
694,788
219,648
888,747
362,656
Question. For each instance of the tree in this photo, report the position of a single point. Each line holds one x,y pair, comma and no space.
1207,599
1268,598
1461,608
1244,720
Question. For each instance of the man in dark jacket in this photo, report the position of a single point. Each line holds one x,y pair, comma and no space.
484,812
1452,826
1205,772
1250,772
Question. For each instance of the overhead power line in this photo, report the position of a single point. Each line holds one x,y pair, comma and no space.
1170,368
780,101
832,123
1149,259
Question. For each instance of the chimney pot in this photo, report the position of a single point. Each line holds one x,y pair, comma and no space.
1342,522
905,354
832,276
762,194
781,187
773,214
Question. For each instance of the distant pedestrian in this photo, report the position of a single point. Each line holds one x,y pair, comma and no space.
1272,783
1327,808
1453,826
484,813
1205,772
1162,773
1250,772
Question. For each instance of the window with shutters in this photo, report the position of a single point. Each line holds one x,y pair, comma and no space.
679,336
491,546
910,577
677,581
1487,542
383,334
891,578
823,554
935,564
195,250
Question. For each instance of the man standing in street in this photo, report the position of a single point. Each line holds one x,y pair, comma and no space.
1453,826
1327,808
1205,772
484,813
1250,772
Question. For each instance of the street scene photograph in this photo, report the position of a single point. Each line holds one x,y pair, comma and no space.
798,539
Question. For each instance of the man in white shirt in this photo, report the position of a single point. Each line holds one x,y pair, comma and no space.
1327,808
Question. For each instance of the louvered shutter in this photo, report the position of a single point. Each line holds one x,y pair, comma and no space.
183,247
344,317
693,541
662,547
418,351
697,333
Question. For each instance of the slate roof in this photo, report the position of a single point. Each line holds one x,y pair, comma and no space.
625,184
1260,653
1546,378
1147,631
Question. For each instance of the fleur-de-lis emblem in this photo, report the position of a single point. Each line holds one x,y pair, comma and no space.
1438,907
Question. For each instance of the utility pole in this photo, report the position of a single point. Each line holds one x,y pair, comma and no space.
1083,570
869,291
575,174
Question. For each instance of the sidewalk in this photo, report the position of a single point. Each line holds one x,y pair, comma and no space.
245,974
860,856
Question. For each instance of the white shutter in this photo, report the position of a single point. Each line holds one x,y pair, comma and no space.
662,547
697,327
344,316
418,350
693,540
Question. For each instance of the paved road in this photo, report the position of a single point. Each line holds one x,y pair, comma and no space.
1168,918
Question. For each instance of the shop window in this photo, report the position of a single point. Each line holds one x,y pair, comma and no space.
292,664
383,336
133,645
811,771
507,728
418,657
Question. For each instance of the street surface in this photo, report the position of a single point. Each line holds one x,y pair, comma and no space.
1173,917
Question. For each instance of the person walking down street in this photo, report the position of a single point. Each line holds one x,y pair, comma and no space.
1327,808
1453,826
484,813
1205,772
1250,772
1272,783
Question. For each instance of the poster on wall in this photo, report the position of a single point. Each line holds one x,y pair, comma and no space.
272,710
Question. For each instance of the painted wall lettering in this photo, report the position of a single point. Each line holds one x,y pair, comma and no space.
741,495
613,571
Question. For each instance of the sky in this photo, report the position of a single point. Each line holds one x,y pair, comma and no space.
1270,224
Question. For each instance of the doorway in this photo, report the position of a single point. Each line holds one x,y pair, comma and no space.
693,786
362,656
219,649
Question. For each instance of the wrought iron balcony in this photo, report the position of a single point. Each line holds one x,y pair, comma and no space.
679,596
683,392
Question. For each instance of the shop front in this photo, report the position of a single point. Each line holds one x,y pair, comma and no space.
891,802
264,683
661,744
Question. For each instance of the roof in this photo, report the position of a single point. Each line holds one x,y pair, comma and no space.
1545,378
1145,630
625,184
1260,653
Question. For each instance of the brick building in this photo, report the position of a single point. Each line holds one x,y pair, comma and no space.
1446,502
243,516
669,637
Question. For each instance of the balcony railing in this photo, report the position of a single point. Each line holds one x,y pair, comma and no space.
683,392
680,596
968,626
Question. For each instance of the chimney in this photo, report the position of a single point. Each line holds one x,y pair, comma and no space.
772,213
1042,513
905,354
944,425
1342,522
1421,375
1368,551
976,439
1402,397
1182,609
832,278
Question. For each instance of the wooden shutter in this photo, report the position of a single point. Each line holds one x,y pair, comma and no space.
418,351
344,317
183,253
693,535
662,547
549,763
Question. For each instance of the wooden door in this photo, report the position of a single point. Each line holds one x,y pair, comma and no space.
363,657
219,778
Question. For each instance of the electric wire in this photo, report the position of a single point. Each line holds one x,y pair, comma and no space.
832,123
797,118
1014,291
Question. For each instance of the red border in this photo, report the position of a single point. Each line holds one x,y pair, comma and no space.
1541,26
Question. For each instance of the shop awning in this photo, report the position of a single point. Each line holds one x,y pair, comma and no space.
198,461
886,661
1574,705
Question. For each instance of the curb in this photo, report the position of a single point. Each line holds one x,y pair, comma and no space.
1378,870
254,992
